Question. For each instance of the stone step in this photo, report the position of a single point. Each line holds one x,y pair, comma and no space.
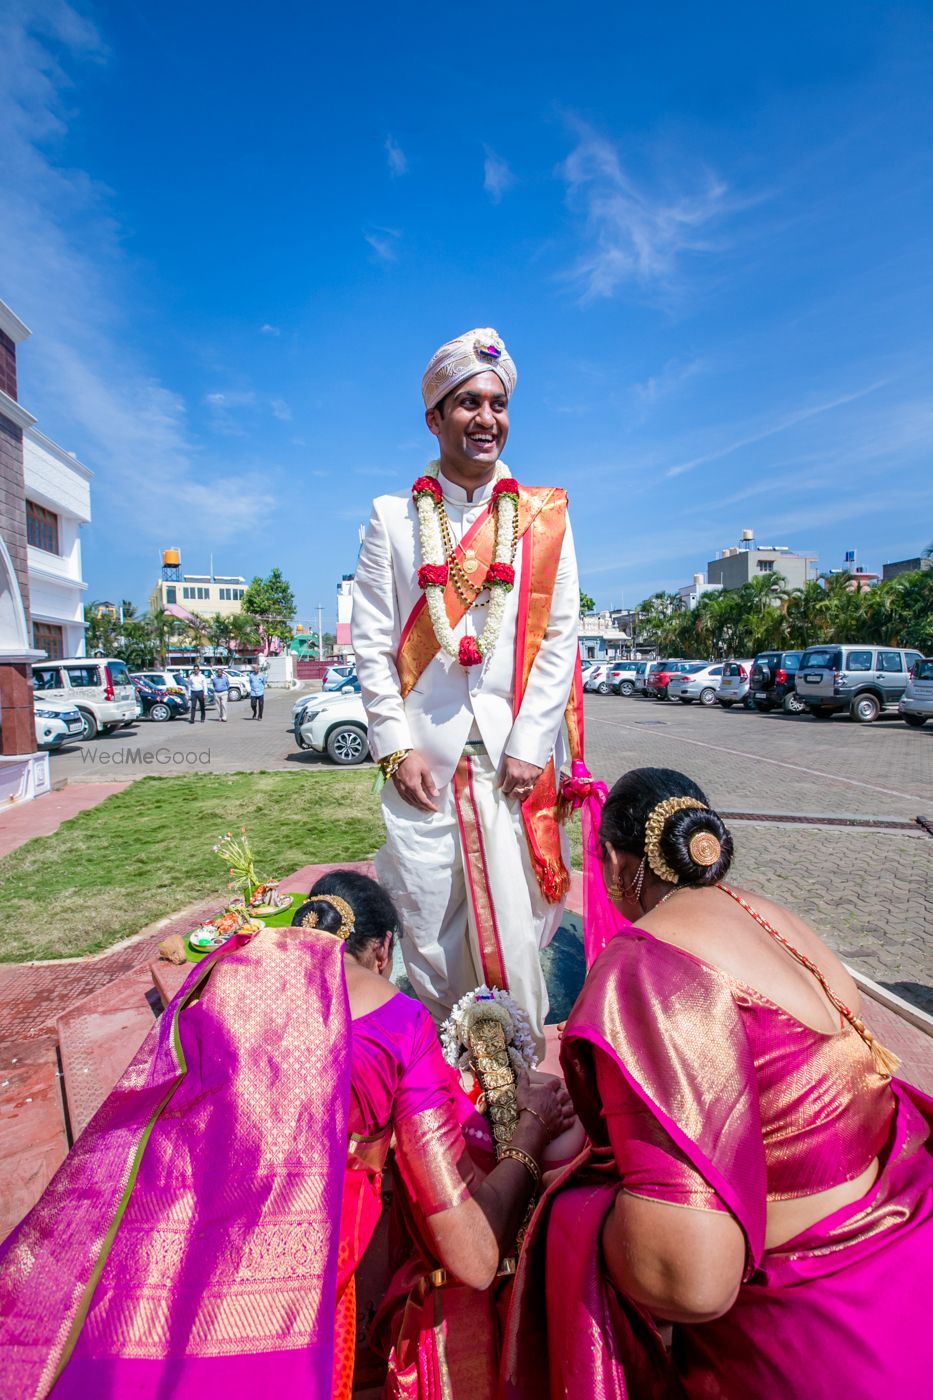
33,1136
168,978
98,1038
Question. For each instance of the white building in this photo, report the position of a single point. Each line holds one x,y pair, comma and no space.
58,503
692,592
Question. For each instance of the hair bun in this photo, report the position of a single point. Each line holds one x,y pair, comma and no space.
697,845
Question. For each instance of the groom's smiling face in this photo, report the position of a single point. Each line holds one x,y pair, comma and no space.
472,424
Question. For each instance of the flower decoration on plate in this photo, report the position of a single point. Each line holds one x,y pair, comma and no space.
434,573
490,1004
265,899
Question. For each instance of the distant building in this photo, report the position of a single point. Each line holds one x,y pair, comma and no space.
344,644
201,594
600,639
906,566
861,580
739,564
691,594
58,503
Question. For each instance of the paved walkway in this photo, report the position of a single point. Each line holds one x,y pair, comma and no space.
45,815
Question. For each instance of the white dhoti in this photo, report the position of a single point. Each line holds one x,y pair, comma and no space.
469,902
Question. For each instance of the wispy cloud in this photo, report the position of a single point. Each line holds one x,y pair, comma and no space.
60,250
636,234
226,408
497,176
384,243
398,161
268,329
781,425
667,381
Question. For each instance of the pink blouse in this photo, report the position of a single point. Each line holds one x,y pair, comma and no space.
825,1111
401,1086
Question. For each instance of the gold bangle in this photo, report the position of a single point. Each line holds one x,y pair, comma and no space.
535,1114
393,762
517,1155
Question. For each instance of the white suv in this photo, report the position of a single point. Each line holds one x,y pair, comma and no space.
98,687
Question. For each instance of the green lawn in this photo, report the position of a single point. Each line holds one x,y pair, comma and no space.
146,852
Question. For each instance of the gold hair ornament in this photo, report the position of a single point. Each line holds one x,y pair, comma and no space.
654,830
705,848
347,916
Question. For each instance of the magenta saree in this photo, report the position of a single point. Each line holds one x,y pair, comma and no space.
203,1236
184,1247
842,1309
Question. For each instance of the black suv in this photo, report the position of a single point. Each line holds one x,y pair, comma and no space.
774,682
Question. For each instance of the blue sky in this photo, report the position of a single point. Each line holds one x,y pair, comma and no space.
237,234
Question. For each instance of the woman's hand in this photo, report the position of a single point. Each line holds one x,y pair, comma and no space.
547,1103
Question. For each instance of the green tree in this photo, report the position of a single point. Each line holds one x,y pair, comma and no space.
587,604
103,630
271,602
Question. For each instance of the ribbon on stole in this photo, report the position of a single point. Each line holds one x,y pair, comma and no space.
542,521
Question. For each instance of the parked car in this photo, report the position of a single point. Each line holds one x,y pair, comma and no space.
162,680
696,682
859,680
55,726
658,675
341,668
336,727
773,681
158,705
653,666
100,688
319,699
915,706
343,685
734,688
597,678
625,677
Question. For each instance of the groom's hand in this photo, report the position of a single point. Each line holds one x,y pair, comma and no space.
415,785
518,778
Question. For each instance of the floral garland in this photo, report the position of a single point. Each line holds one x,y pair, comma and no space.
488,1002
434,573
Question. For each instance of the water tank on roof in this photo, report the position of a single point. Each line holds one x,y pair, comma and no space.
171,556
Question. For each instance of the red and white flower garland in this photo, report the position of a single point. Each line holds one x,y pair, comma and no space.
434,572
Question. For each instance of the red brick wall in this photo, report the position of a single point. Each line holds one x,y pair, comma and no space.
7,365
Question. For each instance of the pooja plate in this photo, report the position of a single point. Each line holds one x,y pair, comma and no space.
270,909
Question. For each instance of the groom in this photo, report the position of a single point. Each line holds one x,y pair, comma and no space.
465,613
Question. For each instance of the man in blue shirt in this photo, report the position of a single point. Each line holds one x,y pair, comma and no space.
222,693
257,690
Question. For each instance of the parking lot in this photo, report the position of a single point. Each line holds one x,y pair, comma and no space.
867,888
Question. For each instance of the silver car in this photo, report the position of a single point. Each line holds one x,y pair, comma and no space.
915,706
735,684
695,682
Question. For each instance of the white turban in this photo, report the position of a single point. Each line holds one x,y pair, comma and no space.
460,359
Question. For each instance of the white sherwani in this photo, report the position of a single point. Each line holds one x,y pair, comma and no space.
449,923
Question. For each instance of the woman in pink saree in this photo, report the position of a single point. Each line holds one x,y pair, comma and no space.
757,1178
202,1237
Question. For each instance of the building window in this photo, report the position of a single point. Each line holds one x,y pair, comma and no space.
46,636
41,528
204,592
171,594
187,592
766,566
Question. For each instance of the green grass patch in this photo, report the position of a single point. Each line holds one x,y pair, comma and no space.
146,852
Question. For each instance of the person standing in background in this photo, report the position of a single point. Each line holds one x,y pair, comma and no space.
221,693
257,691
197,692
